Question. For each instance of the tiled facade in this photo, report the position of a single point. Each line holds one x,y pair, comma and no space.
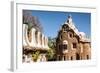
72,44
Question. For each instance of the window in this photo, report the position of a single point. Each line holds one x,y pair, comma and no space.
71,58
65,28
64,58
64,47
74,45
87,56
77,56
70,35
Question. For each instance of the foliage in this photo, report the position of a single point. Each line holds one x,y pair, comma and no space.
31,21
52,42
52,45
35,55
50,54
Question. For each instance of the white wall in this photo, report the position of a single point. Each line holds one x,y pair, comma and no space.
5,36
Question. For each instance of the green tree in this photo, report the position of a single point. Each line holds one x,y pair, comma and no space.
51,52
35,55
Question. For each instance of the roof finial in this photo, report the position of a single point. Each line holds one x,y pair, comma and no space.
69,16
69,19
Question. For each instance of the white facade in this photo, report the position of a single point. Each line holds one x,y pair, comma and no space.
38,40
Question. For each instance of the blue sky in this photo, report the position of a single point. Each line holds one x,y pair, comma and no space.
52,20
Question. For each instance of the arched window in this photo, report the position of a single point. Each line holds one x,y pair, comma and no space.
65,28
70,35
65,43
74,45
64,47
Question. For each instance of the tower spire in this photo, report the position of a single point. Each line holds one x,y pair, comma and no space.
69,19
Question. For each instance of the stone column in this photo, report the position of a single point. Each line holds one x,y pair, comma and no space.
46,42
38,44
33,43
25,39
42,41
24,34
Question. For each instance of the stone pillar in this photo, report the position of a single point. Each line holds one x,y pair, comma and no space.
33,43
24,34
38,39
42,41
46,42
33,40
25,39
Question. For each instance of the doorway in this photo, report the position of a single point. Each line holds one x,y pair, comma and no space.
77,56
